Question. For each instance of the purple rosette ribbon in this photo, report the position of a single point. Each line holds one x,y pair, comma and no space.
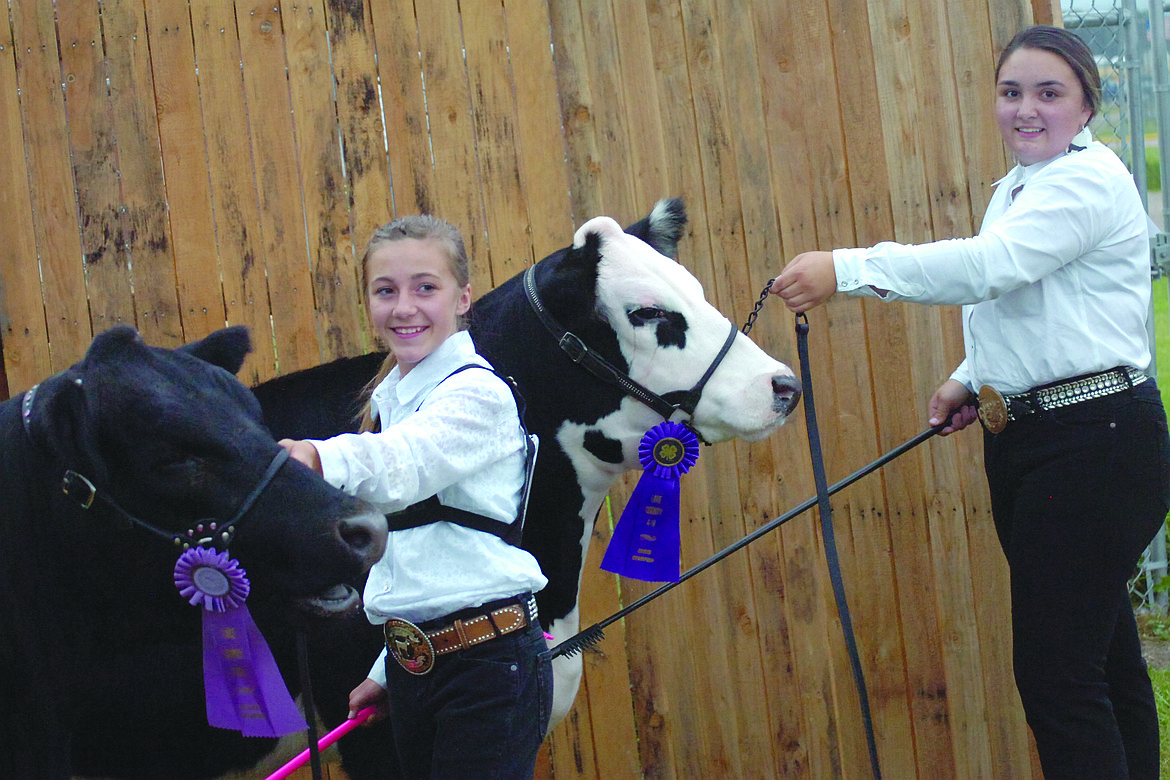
645,544
243,686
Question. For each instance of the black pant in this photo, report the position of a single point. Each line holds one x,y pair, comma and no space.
479,713
1077,493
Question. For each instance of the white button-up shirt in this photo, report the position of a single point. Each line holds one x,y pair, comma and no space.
1056,284
464,443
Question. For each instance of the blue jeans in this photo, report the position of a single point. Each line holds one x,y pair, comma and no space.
480,712
1077,493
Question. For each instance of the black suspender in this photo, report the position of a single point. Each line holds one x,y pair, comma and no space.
430,510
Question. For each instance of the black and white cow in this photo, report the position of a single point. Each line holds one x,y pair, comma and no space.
100,656
624,296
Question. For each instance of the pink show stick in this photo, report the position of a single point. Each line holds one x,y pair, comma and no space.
346,726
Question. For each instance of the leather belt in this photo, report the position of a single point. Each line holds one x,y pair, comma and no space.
415,649
997,410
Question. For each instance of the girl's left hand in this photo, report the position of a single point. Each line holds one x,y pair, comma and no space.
369,693
304,452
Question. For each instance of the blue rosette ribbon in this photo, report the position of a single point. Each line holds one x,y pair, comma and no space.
645,544
244,689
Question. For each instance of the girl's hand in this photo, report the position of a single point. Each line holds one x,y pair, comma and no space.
952,403
304,452
367,694
807,282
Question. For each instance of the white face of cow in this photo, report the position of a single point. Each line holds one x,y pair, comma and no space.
669,335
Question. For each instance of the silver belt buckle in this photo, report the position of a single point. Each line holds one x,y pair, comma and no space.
993,410
409,646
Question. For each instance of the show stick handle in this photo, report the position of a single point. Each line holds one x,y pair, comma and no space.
346,726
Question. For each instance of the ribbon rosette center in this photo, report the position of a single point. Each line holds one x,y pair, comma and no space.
645,543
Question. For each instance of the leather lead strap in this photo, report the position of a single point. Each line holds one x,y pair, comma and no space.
825,509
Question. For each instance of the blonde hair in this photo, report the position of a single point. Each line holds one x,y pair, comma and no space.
422,227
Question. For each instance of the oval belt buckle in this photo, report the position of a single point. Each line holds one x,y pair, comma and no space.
410,647
992,409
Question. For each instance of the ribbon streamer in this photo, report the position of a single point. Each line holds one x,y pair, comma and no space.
243,686
645,544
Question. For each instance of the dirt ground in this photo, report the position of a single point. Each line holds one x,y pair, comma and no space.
1156,653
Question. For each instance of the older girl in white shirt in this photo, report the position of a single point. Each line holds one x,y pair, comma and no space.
1055,292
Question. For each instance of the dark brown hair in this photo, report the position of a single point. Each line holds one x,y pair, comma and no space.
1069,48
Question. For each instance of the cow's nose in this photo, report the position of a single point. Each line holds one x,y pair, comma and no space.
365,534
785,393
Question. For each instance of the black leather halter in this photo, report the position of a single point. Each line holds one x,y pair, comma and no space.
588,359
204,533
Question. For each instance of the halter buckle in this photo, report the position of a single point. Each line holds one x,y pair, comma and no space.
78,488
573,346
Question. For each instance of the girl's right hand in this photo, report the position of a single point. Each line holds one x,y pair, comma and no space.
369,693
304,452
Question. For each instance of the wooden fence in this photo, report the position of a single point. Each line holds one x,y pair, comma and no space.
182,164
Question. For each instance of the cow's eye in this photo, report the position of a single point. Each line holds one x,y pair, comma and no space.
184,467
645,316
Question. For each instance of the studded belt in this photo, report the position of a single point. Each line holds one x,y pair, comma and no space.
415,648
997,410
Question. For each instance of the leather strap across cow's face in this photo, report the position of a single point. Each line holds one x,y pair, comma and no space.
204,533
601,368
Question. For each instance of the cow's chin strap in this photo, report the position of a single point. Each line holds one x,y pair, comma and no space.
601,368
203,534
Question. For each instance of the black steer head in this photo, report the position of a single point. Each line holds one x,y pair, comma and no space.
175,440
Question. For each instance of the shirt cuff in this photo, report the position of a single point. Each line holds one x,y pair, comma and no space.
849,265
333,467
378,671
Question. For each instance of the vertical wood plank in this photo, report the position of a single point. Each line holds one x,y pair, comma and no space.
232,184
448,101
542,142
497,137
353,42
340,194
92,144
22,310
143,224
412,173
55,220
185,166
282,207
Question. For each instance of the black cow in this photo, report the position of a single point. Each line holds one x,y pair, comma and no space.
100,656
646,315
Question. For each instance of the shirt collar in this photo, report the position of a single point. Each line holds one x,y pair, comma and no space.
1021,173
434,368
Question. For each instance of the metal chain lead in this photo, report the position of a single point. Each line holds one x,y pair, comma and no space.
751,320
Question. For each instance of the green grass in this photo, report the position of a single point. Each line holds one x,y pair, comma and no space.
1151,626
1153,170
1154,627
1161,680
1162,337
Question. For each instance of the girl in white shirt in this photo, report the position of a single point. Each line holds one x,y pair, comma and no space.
443,452
1055,292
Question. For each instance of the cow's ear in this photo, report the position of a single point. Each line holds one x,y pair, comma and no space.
568,285
58,419
225,348
663,228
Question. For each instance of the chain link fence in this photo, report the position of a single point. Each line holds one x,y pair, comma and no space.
1134,117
